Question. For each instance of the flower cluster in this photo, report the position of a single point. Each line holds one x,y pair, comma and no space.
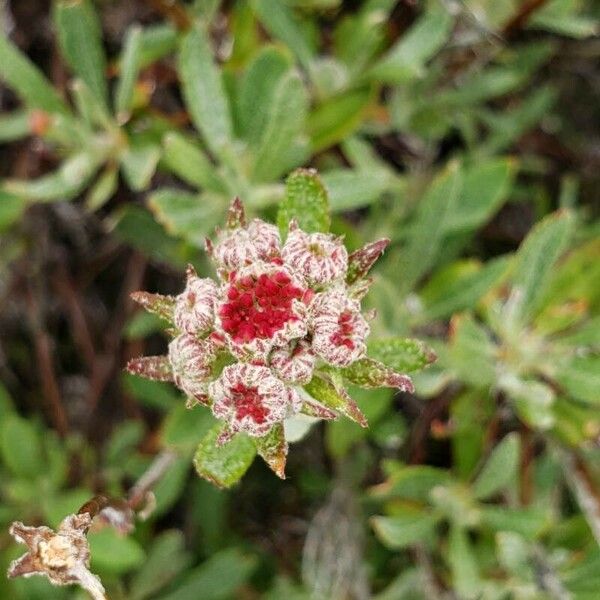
281,316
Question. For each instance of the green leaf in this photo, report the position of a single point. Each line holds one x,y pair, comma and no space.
500,468
203,90
337,118
412,526
224,466
580,377
536,258
485,187
427,230
216,579
528,522
80,37
11,209
14,126
532,400
349,189
157,41
370,373
279,21
257,91
463,564
403,355
413,482
27,80
407,58
184,427
139,164
136,226
114,553
283,124
63,184
306,201
20,446
192,216
128,71
103,189
325,392
273,448
472,352
166,559
190,163
460,286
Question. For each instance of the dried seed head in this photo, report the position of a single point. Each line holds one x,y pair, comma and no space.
62,556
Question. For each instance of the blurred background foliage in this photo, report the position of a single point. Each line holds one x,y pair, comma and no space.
466,131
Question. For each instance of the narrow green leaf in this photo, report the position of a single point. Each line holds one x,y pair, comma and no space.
407,58
114,553
187,160
284,122
191,216
337,118
279,21
138,163
273,448
257,91
64,184
216,579
349,189
103,189
203,89
14,126
463,564
427,230
306,201
326,393
166,558
485,187
403,355
448,292
580,378
80,37
27,80
11,209
536,258
412,526
129,66
528,522
500,468
224,466
20,446
157,41
370,373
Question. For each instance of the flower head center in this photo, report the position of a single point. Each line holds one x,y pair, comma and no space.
247,402
258,306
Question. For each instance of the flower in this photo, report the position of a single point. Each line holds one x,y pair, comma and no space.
251,399
62,556
191,363
261,307
339,329
294,363
319,257
247,244
195,306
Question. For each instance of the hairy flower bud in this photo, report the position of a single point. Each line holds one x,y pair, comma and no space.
319,257
195,306
191,360
339,329
245,245
294,363
251,399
